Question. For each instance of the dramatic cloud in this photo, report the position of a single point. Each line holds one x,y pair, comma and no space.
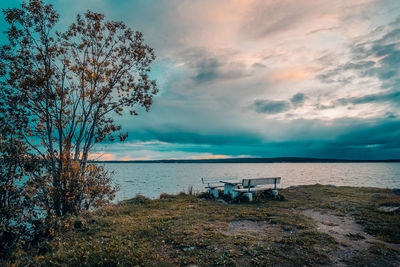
270,106
262,78
277,106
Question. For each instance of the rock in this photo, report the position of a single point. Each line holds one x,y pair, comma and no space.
388,209
221,201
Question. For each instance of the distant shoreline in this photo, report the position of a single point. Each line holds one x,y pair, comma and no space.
251,160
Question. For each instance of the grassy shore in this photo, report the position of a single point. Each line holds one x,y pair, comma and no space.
313,225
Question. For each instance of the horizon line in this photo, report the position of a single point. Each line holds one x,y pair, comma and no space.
250,160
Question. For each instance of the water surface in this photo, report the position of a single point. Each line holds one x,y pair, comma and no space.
152,179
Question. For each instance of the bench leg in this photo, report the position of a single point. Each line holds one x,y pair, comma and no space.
275,192
229,190
234,194
249,196
213,192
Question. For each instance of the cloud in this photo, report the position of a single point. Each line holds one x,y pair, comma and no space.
375,55
101,156
266,106
270,106
212,69
291,56
389,97
212,66
211,157
170,134
293,74
372,98
269,18
298,100
207,70
341,138
298,58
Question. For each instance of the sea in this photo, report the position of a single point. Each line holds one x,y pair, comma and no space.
153,179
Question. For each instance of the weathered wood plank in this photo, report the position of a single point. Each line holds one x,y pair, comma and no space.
260,181
253,189
213,186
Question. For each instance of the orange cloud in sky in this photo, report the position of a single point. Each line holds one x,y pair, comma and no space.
101,156
211,157
128,158
294,74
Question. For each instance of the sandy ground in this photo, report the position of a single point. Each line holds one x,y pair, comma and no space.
348,233
254,228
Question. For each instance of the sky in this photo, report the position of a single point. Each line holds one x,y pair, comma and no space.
249,78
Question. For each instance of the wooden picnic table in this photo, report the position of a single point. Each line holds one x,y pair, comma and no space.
234,187
229,187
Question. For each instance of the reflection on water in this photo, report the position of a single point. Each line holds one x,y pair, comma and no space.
152,179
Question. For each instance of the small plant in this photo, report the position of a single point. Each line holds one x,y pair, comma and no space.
190,190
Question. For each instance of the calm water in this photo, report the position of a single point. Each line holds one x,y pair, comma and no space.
152,179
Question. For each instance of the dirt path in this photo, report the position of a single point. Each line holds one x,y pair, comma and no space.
254,228
351,236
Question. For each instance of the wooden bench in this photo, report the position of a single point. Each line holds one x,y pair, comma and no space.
253,185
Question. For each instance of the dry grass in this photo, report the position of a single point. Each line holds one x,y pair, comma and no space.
186,229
